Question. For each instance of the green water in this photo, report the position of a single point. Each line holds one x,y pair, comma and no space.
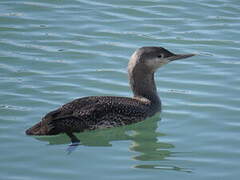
53,51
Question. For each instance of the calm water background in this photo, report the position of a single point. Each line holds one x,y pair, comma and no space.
52,51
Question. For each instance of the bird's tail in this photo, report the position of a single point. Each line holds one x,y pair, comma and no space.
34,130
37,129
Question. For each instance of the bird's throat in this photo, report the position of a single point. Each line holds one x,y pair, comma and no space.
143,85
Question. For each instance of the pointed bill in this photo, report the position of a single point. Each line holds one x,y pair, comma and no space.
180,56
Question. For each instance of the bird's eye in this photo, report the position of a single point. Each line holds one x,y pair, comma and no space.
160,56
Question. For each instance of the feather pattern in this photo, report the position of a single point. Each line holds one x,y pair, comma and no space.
93,112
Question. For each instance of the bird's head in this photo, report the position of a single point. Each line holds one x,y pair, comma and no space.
151,58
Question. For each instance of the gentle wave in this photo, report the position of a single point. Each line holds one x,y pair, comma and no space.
55,51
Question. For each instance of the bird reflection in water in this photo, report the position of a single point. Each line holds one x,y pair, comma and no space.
145,137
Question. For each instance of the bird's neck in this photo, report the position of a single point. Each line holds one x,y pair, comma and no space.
143,84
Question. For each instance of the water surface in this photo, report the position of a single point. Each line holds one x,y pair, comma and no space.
52,52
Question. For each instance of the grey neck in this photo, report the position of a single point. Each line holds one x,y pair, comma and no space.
143,84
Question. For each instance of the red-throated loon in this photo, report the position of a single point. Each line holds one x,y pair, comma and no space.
94,112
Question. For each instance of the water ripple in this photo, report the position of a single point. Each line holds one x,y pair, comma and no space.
54,51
